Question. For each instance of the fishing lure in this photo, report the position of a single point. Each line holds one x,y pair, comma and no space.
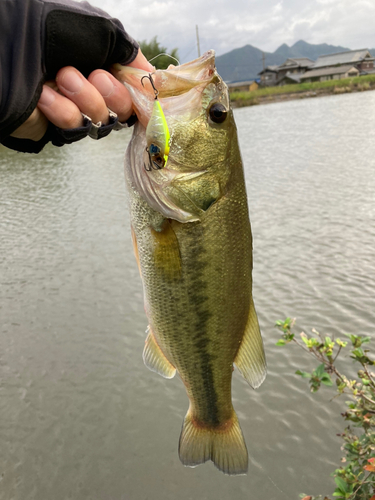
157,134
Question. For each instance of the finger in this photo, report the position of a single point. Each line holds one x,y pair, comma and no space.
79,90
59,110
141,62
34,127
114,93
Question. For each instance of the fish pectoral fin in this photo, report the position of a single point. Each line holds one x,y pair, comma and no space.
250,359
154,358
224,445
166,254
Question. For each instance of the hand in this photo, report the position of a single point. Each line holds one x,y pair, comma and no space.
65,99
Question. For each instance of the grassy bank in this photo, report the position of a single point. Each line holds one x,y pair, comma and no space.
300,90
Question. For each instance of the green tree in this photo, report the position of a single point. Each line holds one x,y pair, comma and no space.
153,48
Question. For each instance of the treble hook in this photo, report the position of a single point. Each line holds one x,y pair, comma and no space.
149,76
152,163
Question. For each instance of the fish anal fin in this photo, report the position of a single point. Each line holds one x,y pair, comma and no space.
250,359
167,256
224,445
154,358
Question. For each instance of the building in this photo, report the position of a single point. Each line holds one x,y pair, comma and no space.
330,73
288,72
242,86
361,59
289,78
269,76
340,65
296,65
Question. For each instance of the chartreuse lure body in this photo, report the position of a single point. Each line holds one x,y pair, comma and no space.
157,135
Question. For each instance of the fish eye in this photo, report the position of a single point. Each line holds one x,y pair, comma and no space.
218,113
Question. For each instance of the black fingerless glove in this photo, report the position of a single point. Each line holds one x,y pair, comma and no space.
37,38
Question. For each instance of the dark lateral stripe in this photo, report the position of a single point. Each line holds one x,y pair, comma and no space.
198,303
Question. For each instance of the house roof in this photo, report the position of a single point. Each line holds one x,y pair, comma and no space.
349,57
297,62
336,70
295,77
273,69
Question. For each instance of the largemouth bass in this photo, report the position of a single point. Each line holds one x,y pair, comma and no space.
193,244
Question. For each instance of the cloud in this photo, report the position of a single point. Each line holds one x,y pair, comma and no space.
265,24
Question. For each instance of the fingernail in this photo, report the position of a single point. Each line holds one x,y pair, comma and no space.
71,82
103,84
48,96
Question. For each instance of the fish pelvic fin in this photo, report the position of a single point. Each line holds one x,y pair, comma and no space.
154,358
224,445
250,359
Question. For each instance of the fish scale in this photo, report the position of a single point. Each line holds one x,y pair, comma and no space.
192,239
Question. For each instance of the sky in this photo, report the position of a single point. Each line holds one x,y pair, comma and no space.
228,24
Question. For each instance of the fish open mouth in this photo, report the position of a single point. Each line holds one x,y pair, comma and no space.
165,101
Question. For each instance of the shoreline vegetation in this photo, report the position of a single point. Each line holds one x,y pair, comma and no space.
302,91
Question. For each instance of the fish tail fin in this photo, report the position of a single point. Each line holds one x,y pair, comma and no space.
224,445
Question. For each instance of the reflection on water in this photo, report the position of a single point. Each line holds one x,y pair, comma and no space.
81,417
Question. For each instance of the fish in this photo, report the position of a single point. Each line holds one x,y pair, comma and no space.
193,244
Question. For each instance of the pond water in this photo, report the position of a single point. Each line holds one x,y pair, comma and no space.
81,417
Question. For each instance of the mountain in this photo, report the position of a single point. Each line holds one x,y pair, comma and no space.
304,49
240,64
245,63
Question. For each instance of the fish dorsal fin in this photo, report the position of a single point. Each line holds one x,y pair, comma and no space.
154,358
250,359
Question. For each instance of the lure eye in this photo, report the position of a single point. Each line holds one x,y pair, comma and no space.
218,113
154,149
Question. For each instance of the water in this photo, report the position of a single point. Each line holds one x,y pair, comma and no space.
81,417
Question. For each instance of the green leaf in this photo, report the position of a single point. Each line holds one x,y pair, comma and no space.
319,370
305,339
303,374
312,343
342,485
326,379
353,338
339,493
281,342
358,352
340,343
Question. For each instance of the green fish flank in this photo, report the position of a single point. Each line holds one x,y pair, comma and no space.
193,243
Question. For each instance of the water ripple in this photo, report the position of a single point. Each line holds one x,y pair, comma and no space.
81,416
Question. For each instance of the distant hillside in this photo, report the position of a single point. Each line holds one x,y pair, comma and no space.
245,63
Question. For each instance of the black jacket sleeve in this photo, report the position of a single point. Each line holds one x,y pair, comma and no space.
38,37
